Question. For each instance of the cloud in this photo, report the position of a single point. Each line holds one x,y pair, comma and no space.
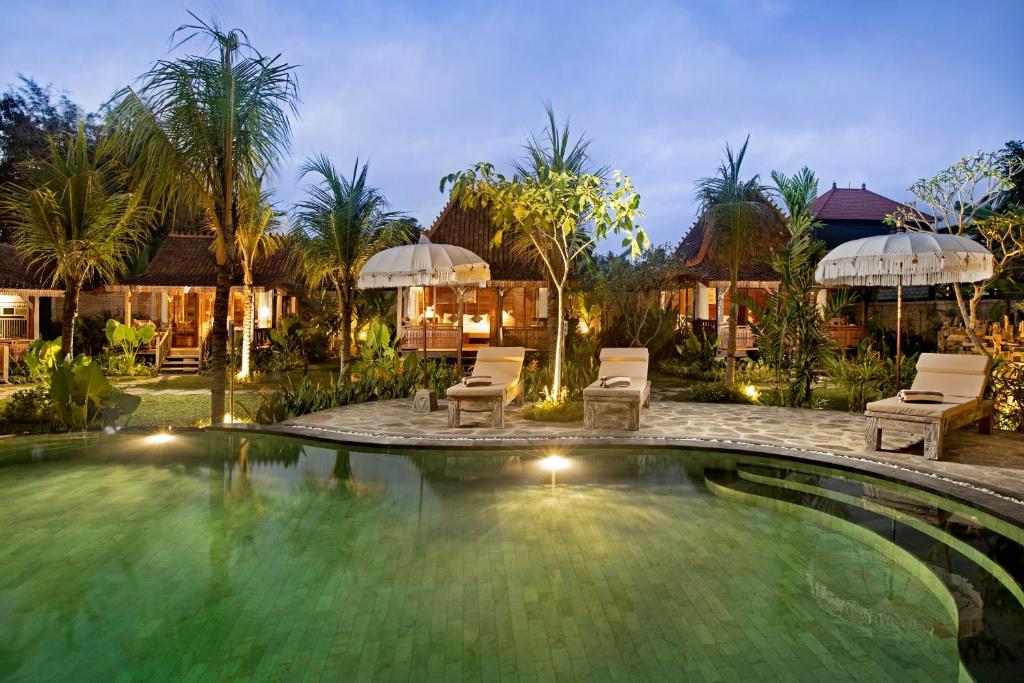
422,90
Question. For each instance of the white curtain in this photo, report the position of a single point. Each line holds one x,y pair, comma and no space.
542,303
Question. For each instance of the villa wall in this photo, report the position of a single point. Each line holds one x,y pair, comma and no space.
923,317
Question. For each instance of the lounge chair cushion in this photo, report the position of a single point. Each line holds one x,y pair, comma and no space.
485,391
501,363
635,389
630,363
953,375
950,408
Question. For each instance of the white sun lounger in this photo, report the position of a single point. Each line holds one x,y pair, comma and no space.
630,363
503,365
961,380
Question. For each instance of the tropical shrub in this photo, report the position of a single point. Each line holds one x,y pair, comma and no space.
866,375
380,373
27,410
91,333
717,392
750,371
696,360
579,369
398,378
40,359
551,410
1008,395
82,396
124,344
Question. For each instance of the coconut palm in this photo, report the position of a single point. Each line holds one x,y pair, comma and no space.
342,222
71,217
256,240
200,127
733,207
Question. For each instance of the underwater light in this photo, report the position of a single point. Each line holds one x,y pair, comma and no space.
159,437
554,463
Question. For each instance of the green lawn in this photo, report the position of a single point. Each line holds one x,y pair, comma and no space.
179,411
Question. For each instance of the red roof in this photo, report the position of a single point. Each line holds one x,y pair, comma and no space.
849,204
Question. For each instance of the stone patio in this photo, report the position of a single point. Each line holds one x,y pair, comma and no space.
986,470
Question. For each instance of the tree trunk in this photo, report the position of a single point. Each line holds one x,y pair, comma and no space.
967,318
218,343
345,324
248,331
734,311
67,335
556,383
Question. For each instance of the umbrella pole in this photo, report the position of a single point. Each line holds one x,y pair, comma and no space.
426,380
899,328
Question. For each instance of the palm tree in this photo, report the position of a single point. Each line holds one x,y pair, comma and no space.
557,152
200,128
341,224
732,207
256,240
71,217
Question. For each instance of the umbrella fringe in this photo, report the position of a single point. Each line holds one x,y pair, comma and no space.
908,269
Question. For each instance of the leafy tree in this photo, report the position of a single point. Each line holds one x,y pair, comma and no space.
958,200
733,207
559,216
30,116
555,149
71,219
341,224
256,240
626,293
201,128
792,329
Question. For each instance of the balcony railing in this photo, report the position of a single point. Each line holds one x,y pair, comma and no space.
13,328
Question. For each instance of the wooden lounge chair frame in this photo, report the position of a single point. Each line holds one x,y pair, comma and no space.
630,363
494,362
933,428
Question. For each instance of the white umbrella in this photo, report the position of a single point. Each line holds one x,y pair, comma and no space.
905,258
424,264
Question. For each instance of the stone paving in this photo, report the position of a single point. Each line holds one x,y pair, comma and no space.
990,465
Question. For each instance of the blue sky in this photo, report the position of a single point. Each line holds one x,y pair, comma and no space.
874,92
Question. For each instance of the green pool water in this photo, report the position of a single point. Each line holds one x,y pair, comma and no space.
219,556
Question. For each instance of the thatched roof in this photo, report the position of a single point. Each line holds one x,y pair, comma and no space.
472,229
17,276
185,260
696,251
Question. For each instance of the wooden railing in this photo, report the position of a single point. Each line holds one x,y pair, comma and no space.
437,338
13,328
163,346
745,340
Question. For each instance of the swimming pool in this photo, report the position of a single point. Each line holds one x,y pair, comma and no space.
217,555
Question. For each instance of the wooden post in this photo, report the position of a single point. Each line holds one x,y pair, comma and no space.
899,329
460,292
128,306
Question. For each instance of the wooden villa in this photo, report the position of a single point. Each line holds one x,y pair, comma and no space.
703,294
26,303
177,290
510,310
